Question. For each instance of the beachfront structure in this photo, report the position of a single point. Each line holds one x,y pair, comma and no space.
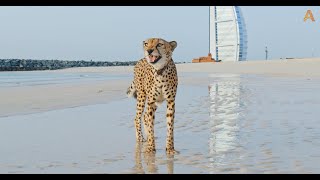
227,31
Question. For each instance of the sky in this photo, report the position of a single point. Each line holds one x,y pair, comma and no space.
115,33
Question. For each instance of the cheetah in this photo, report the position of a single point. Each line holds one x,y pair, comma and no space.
155,81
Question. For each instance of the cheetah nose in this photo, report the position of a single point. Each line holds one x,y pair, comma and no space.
150,51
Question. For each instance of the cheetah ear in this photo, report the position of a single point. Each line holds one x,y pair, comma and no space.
173,44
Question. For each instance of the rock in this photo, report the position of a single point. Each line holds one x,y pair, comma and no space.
31,65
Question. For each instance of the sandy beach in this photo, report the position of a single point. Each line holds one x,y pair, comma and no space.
253,119
298,67
21,100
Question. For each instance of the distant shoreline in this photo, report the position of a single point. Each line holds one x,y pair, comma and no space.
38,65
282,67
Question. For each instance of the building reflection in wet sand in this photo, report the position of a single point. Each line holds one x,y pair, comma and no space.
224,93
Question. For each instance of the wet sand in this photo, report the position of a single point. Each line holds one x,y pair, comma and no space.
33,99
252,124
243,123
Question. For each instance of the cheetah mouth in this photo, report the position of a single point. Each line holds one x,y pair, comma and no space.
153,59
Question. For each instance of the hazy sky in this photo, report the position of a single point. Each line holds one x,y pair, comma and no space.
116,33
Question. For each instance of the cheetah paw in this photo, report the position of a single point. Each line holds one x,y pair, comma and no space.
171,151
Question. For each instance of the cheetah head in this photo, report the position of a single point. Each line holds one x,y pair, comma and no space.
158,51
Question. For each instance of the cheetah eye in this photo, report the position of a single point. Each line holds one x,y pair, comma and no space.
145,44
159,44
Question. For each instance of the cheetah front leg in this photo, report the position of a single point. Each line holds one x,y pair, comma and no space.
170,126
141,98
149,122
146,122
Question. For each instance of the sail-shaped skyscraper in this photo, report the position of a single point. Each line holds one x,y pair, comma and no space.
228,35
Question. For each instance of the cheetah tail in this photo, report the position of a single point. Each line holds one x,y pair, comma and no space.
132,91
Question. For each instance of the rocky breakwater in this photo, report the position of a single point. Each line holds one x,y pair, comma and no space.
32,65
